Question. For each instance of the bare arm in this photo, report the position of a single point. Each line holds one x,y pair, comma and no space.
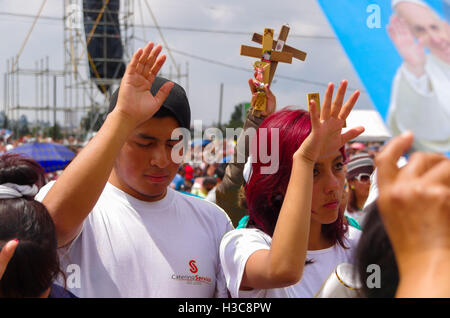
77,190
228,190
283,264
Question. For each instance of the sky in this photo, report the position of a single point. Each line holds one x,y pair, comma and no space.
212,57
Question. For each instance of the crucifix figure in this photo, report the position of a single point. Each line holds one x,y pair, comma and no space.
271,54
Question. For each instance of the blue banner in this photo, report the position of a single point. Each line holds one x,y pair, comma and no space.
400,49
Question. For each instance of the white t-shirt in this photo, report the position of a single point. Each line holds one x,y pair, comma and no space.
133,248
237,246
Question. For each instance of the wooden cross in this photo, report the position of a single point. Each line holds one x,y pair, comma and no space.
271,54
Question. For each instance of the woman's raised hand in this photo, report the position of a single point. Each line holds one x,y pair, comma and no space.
326,136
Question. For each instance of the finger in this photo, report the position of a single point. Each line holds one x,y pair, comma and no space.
314,114
325,111
163,92
423,164
141,65
386,160
147,50
338,101
403,28
253,100
251,84
352,134
6,254
391,32
345,111
421,44
439,174
269,93
156,67
152,58
134,61
271,101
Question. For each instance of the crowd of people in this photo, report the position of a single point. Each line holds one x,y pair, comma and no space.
131,222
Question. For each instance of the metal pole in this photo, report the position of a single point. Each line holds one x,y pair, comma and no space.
54,107
187,79
17,87
5,79
47,80
36,87
7,89
220,104
41,74
12,91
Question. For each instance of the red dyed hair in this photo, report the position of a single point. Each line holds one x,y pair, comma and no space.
265,192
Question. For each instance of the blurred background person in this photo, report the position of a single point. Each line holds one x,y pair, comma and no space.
219,173
359,170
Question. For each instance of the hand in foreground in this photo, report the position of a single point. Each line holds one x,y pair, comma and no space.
135,99
414,203
6,254
271,99
326,137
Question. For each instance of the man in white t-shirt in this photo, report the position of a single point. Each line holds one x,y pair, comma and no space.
121,230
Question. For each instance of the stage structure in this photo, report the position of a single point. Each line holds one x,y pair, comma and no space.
99,40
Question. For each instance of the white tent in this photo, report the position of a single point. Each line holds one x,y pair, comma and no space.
375,128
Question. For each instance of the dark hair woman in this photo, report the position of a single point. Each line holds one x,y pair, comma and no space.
32,264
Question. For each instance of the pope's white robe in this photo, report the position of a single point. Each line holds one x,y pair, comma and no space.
422,105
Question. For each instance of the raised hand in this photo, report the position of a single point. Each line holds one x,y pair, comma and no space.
411,51
414,203
271,99
326,136
135,99
6,254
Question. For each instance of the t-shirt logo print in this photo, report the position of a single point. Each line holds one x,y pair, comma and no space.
193,267
195,278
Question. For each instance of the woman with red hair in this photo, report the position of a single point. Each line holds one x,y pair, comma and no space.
294,214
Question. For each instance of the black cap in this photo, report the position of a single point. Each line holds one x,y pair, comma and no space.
177,102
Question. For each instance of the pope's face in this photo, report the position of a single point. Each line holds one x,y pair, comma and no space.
427,28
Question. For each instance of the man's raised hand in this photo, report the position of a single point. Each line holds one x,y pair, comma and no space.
135,100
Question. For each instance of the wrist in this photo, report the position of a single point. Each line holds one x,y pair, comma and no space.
417,69
300,158
424,274
124,121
